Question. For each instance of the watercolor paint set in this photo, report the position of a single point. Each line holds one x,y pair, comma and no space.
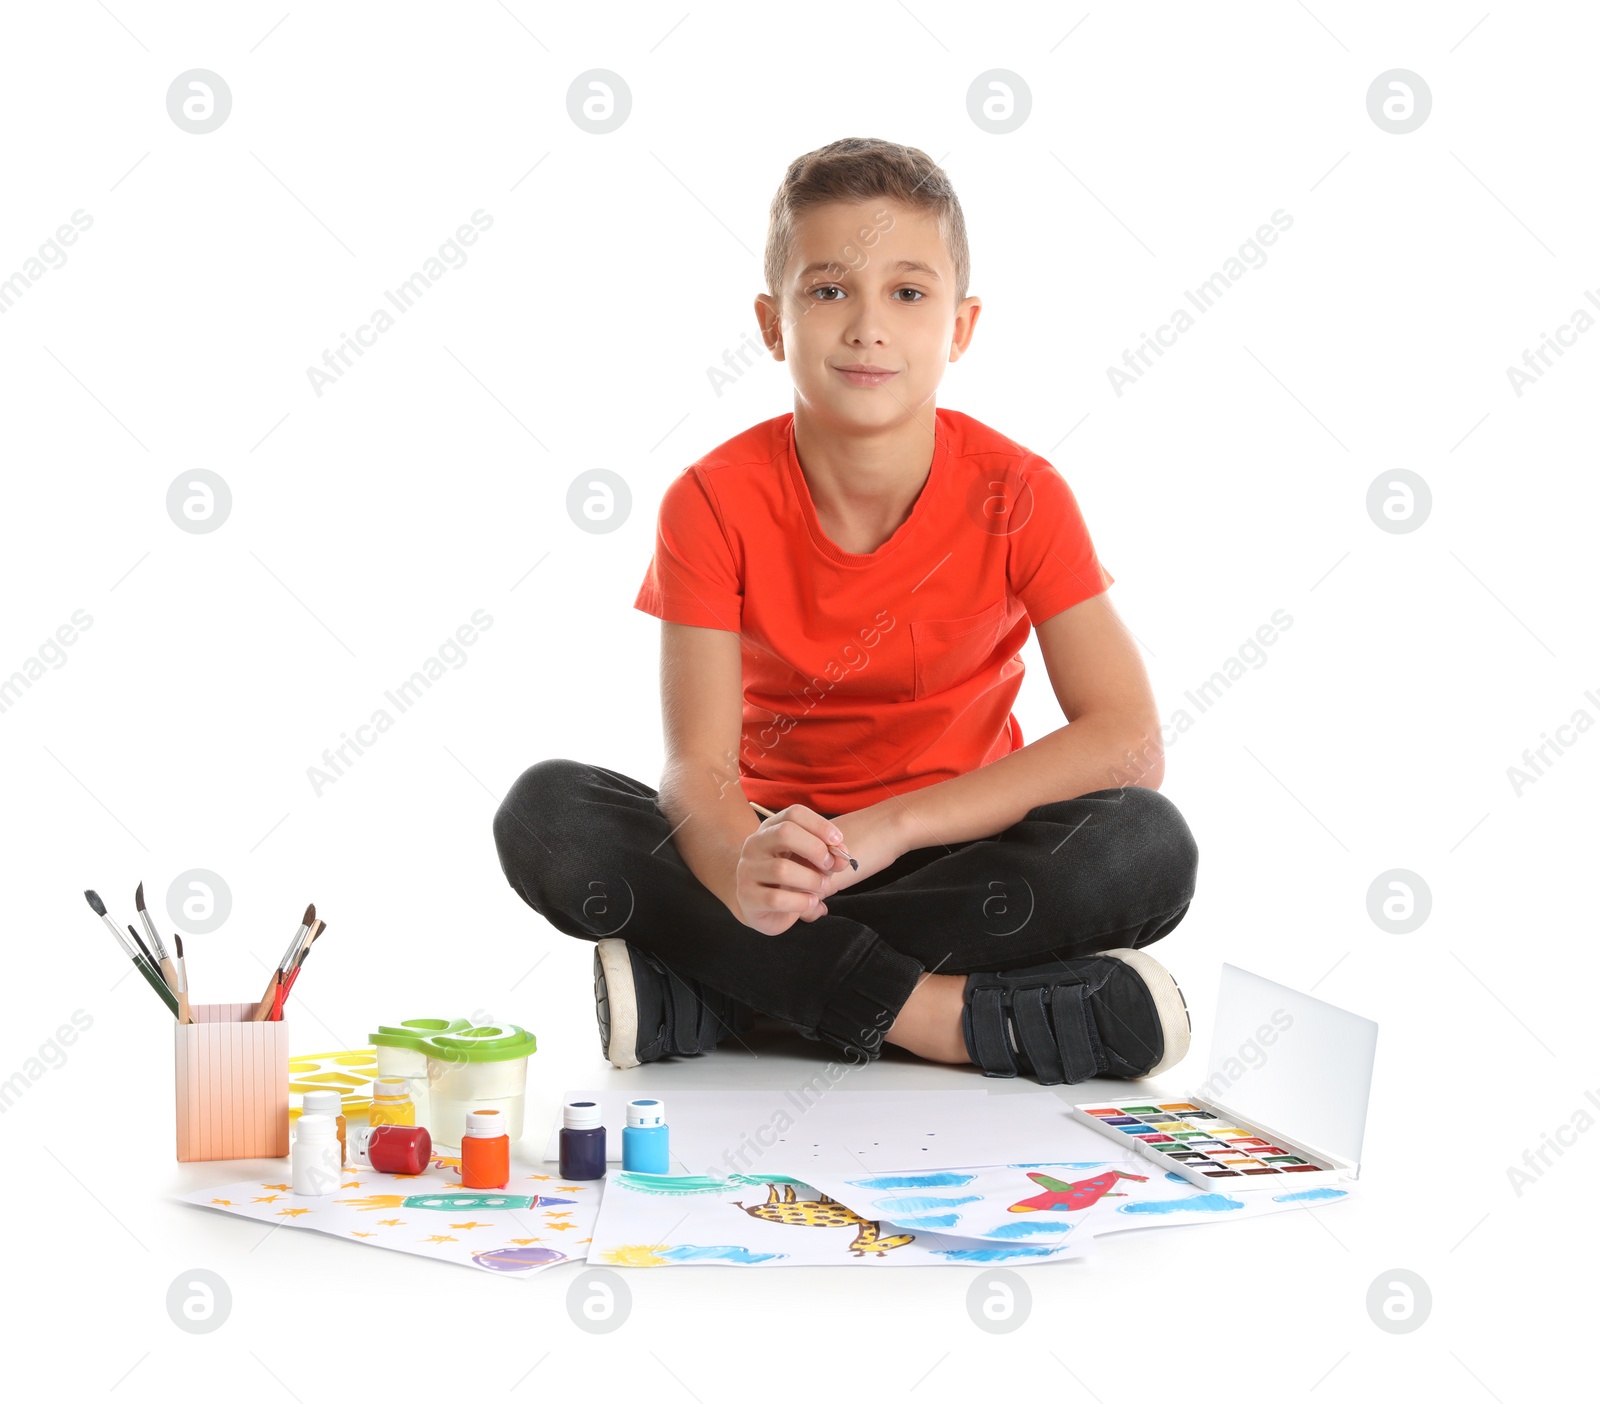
1279,1059
1206,1145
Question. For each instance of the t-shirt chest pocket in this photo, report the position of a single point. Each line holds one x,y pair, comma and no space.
946,652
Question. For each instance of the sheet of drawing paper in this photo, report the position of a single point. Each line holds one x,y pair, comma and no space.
1024,1203
1171,1199
773,1221
708,1126
536,1222
848,1130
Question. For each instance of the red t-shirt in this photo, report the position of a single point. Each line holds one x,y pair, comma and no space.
866,675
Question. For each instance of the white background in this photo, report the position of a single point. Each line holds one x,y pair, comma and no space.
369,523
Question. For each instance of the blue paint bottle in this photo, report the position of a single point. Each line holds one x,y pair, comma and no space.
644,1138
583,1142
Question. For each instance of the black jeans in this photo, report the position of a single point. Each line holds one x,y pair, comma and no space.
590,851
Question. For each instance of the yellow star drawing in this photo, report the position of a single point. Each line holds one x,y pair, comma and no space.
539,1177
524,1242
562,1227
294,1213
222,1201
391,1223
571,1189
352,1184
471,1224
266,1199
278,1187
586,1240
440,1238
356,1233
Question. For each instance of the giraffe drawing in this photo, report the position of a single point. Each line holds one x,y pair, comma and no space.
823,1212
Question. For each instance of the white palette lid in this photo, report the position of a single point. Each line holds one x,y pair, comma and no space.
1291,1064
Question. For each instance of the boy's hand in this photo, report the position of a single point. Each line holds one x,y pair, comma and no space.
783,868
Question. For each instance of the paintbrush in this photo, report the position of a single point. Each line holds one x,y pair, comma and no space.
161,957
833,848
171,971
269,997
185,1014
140,963
317,928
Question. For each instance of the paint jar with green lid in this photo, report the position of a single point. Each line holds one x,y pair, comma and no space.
403,1052
477,1069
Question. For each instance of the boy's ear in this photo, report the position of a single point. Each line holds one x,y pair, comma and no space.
770,319
967,311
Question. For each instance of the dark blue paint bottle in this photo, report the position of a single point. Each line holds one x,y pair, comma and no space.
583,1142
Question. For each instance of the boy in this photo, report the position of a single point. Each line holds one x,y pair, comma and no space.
843,593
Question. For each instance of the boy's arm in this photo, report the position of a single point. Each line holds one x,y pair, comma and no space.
768,874
1114,739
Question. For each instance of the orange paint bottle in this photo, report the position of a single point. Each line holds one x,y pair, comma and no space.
485,1151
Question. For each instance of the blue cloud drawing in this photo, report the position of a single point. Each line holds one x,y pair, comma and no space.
691,1253
928,1221
1205,1203
991,1255
1029,1228
916,1203
940,1179
1300,1196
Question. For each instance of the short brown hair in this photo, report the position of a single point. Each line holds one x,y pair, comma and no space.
855,169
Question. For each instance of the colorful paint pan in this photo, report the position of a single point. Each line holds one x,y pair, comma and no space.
1200,1144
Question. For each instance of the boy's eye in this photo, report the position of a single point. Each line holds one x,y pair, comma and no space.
915,292
828,287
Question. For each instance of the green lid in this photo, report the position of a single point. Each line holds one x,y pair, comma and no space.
415,1033
488,1043
457,1040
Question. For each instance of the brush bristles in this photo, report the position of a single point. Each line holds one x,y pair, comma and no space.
310,916
95,904
138,897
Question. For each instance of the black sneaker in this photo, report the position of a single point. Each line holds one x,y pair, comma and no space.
646,1012
1115,1014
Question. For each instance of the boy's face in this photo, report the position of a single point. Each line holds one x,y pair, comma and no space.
873,285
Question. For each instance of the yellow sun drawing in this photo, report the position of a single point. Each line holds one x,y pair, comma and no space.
636,1255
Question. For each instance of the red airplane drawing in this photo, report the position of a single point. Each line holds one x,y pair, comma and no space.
1080,1194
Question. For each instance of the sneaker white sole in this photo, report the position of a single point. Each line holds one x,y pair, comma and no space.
622,1011
1171,1009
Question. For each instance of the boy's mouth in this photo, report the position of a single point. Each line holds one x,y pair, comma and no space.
859,374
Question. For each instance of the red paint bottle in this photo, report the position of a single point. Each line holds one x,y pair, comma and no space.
393,1150
485,1151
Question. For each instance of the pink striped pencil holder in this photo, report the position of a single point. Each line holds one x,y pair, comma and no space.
232,1084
